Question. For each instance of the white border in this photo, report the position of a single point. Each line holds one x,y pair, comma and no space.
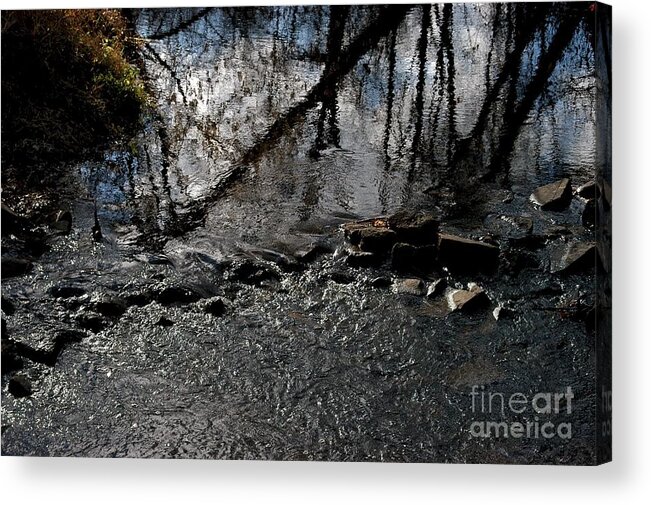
627,480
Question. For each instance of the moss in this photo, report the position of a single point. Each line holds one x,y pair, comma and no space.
68,85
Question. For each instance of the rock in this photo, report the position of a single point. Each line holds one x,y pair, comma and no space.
503,312
312,253
11,361
574,258
252,272
589,190
353,231
469,300
381,282
214,306
363,259
14,267
66,291
12,223
341,278
589,214
554,196
164,322
109,305
63,222
139,299
409,287
467,256
510,227
8,306
177,295
436,288
20,386
411,258
91,322
377,240
414,227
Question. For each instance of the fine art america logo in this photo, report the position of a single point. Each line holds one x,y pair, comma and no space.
519,415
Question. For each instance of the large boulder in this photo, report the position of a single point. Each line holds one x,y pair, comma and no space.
464,255
554,196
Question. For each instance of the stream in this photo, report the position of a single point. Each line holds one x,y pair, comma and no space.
219,317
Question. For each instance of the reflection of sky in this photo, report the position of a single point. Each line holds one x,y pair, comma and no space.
241,70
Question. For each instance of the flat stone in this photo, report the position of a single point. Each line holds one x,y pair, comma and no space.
467,256
468,300
414,287
377,240
554,196
414,227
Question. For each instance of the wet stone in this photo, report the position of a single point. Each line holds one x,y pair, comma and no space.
469,300
91,322
8,306
554,196
414,227
14,267
411,258
510,227
164,322
381,282
20,386
574,258
214,306
12,222
66,291
11,361
467,256
589,214
363,259
414,287
377,240
109,305
62,222
589,190
436,288
177,295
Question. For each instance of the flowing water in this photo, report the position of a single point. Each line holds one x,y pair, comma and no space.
270,127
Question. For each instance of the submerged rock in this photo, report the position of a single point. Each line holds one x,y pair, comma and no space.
14,267
411,258
20,386
11,361
66,291
554,196
177,294
214,306
381,282
164,322
511,227
109,305
467,256
91,322
414,287
62,222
